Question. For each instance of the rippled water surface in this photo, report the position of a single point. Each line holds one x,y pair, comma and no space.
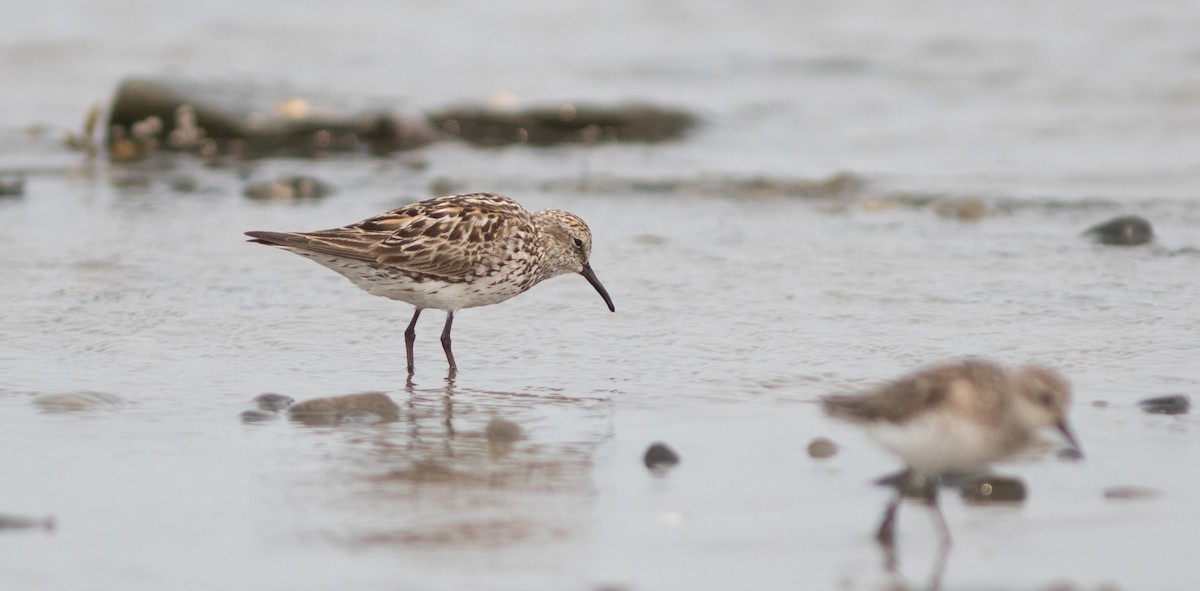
137,325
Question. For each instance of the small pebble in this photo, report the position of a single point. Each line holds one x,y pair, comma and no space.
1167,405
660,456
821,448
1127,230
993,489
273,402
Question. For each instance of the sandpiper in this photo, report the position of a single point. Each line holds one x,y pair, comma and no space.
956,418
450,253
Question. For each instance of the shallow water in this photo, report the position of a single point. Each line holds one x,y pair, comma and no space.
734,311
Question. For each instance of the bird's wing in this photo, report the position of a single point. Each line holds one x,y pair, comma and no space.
895,402
447,237
958,384
452,236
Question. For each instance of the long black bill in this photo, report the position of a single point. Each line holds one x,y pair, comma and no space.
1070,437
590,275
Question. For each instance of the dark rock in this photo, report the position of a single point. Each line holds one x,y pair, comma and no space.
332,410
1167,405
566,123
660,456
248,120
993,489
273,402
288,189
1128,230
821,448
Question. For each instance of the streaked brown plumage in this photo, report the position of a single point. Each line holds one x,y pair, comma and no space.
450,253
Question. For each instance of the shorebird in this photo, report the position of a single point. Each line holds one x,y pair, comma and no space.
955,419
450,253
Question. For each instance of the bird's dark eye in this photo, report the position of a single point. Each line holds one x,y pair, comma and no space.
578,243
1045,399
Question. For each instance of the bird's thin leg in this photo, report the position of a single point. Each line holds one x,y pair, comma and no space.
886,535
410,337
446,343
939,569
931,499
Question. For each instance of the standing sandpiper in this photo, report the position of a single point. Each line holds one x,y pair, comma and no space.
956,418
450,253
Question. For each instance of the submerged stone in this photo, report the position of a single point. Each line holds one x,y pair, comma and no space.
660,456
1176,404
566,123
821,448
993,489
333,410
1127,230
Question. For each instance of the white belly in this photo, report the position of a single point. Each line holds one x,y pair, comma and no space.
427,292
940,442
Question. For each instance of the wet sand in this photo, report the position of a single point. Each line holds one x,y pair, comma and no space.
131,297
